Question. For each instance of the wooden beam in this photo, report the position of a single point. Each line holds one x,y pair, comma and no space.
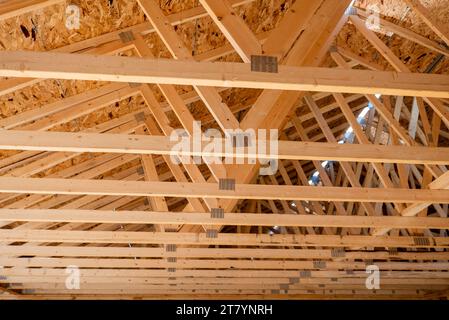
213,263
440,109
209,252
211,190
293,24
378,44
120,276
242,253
233,27
146,237
201,218
228,283
144,144
219,74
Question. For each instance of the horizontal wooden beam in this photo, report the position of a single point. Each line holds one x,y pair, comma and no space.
218,74
211,190
242,253
119,275
212,263
164,145
308,283
198,218
237,239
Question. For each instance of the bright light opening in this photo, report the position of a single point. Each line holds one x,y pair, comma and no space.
347,136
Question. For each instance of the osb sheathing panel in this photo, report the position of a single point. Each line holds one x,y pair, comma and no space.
97,17
416,57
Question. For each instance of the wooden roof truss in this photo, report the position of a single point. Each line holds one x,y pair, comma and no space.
140,226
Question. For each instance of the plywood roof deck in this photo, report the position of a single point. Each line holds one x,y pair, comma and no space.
86,178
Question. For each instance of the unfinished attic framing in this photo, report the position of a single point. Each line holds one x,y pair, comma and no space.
91,93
